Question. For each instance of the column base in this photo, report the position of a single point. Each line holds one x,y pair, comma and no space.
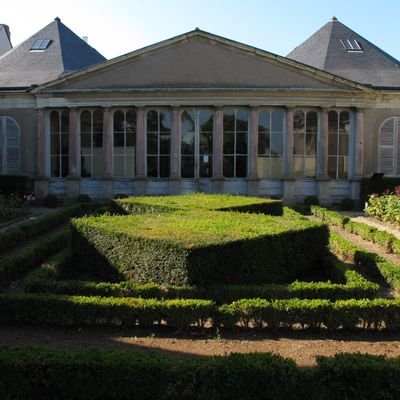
73,187
41,187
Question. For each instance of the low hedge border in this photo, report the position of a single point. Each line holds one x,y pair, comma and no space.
60,310
15,266
388,241
44,374
45,279
14,235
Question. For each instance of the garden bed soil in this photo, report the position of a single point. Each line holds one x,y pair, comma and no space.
302,347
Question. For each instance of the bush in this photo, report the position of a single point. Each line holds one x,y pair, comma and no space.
12,207
311,201
13,184
50,201
331,217
386,208
14,235
13,267
84,198
347,204
198,248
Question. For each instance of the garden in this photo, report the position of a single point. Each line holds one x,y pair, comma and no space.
204,266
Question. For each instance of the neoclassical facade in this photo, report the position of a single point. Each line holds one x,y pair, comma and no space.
203,113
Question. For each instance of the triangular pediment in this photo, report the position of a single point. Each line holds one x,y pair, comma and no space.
200,60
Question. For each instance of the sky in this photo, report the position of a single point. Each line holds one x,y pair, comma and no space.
116,27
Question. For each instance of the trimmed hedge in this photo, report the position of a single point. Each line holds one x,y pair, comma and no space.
14,235
331,217
352,285
198,248
100,374
15,266
43,374
198,201
183,314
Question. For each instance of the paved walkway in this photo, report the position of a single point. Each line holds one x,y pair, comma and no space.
34,213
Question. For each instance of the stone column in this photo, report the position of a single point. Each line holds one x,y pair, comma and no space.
357,154
73,179
140,175
43,137
289,183
253,152
41,186
174,184
108,142
322,159
218,148
108,129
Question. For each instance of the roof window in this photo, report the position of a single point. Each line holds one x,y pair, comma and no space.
41,44
351,45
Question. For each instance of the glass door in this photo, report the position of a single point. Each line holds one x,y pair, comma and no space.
197,126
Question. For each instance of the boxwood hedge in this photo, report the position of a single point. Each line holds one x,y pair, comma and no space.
199,247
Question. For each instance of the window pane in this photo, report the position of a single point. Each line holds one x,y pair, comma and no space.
64,166
152,143
229,142
344,122
311,144
298,143
312,122
98,139
130,123
206,143
86,142
98,121
205,166
119,166
229,120
241,166
130,139
130,166
86,169
152,169
276,144
54,166
164,166
263,121
54,144
118,121
277,121
165,121
64,144
298,121
54,122
187,133
152,121
332,122
310,165
276,167
187,143
332,144
332,167
187,167
228,166
86,122
241,143
342,172
242,117
119,140
206,121
65,121
343,144
263,143
165,143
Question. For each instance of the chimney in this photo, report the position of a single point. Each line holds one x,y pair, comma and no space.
7,29
85,38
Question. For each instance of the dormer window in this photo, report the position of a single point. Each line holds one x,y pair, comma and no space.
351,45
41,44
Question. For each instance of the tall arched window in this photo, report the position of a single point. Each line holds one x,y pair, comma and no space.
270,144
338,144
236,128
305,129
389,147
59,132
124,143
92,160
9,146
158,143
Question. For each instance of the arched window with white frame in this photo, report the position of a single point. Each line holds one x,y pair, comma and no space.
10,136
389,146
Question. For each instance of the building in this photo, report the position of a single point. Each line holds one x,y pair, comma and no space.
200,112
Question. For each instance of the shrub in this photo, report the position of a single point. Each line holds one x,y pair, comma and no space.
311,201
84,198
386,208
347,204
331,217
14,235
12,207
13,184
50,201
199,248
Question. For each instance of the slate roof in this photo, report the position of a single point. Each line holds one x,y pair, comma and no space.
371,66
21,68
5,42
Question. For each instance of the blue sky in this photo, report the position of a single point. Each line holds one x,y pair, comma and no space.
116,27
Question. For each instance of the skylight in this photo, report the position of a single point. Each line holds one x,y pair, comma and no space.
41,44
351,45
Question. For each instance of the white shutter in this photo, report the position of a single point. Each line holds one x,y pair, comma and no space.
12,147
386,146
